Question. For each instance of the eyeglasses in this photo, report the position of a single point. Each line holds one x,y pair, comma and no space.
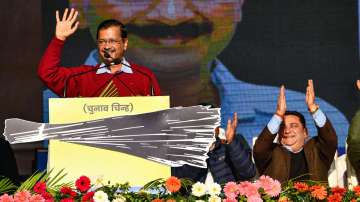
111,42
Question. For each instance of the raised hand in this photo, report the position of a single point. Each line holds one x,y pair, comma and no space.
67,25
281,105
358,84
310,97
231,129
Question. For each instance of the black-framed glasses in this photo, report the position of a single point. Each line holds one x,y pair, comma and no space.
111,42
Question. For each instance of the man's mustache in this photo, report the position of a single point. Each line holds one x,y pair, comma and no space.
160,30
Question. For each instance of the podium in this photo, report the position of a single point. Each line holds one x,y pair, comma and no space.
94,162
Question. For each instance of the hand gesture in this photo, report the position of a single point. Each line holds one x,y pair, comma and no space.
358,84
281,105
310,97
231,129
66,27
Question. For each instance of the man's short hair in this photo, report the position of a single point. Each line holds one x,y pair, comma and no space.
297,114
112,23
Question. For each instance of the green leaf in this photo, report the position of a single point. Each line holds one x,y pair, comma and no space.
30,182
6,185
51,182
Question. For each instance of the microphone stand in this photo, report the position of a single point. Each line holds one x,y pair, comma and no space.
114,76
82,73
152,93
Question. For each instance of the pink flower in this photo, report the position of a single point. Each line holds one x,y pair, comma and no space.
242,187
270,186
6,198
248,189
36,198
229,200
231,190
23,196
254,199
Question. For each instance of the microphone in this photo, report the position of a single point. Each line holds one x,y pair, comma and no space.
115,62
107,55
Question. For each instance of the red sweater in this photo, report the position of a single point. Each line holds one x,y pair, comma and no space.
83,82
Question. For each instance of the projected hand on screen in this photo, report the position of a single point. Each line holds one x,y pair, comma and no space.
281,105
67,25
310,97
358,84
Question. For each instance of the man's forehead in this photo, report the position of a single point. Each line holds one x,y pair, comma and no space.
112,27
291,119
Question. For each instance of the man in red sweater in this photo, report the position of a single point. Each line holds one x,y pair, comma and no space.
115,76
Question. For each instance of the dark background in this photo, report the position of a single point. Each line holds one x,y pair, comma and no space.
20,52
288,42
277,42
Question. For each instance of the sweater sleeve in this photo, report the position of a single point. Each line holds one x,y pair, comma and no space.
50,72
263,149
240,157
327,141
155,84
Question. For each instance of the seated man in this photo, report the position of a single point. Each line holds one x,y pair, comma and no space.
114,77
229,159
353,141
293,156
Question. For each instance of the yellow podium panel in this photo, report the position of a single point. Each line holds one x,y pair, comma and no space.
80,160
93,162
72,110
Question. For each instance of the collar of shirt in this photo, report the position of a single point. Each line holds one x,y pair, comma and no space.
290,150
125,67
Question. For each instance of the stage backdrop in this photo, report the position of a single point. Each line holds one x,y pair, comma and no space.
235,53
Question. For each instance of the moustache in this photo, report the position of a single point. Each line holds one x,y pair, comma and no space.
161,30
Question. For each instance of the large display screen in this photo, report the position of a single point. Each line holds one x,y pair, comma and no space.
232,54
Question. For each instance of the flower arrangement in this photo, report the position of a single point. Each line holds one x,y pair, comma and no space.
40,188
317,191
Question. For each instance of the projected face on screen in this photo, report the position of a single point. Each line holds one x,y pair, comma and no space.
174,38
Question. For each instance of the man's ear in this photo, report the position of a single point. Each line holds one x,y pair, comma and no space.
306,133
125,43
